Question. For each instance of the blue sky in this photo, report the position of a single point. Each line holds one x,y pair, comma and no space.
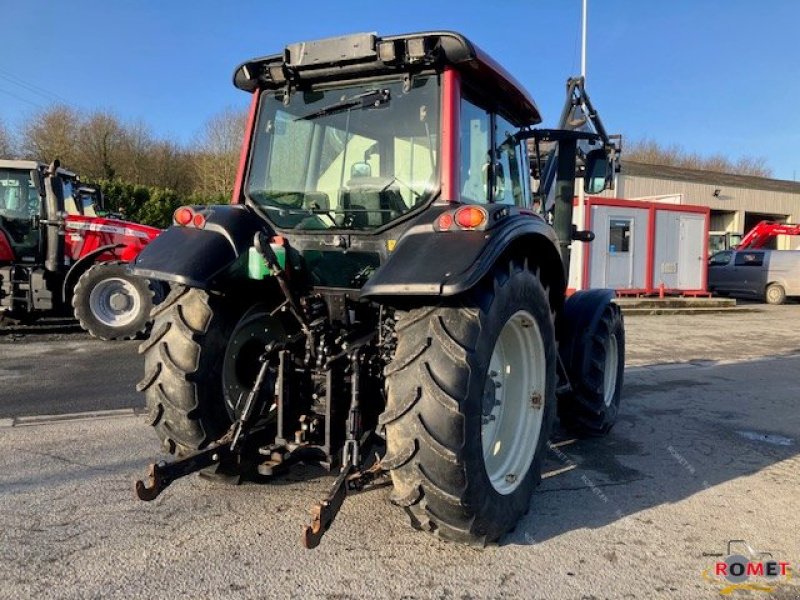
713,76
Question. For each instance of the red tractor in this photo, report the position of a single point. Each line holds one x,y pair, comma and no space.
56,253
383,297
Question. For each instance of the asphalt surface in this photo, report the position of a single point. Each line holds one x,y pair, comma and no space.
56,368
706,451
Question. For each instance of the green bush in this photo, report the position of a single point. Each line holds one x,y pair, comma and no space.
150,205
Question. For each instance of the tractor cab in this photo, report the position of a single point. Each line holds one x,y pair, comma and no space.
32,200
398,124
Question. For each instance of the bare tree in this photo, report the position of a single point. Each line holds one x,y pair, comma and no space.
7,146
101,138
136,150
651,152
171,167
51,133
217,152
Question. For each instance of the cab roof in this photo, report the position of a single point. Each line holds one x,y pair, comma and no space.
367,54
30,165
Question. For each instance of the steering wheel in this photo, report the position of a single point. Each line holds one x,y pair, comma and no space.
404,184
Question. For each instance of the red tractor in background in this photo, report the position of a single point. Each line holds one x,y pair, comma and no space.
57,253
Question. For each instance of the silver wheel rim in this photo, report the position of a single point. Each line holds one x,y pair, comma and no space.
115,302
610,369
513,403
773,293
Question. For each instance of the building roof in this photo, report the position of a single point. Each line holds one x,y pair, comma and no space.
709,177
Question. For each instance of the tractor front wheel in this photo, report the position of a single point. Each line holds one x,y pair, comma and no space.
200,362
112,304
470,406
596,373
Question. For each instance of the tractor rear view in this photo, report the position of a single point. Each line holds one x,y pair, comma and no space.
381,297
58,256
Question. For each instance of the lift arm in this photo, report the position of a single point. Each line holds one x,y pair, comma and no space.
579,147
764,231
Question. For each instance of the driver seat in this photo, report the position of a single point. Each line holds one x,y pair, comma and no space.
369,205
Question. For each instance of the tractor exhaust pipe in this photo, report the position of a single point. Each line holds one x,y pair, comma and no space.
564,196
54,206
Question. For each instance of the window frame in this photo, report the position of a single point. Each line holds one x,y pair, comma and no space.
473,96
257,123
758,258
613,222
712,263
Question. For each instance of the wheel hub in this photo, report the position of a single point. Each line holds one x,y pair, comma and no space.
513,402
115,302
120,301
242,359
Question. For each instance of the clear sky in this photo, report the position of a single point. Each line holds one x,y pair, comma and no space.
711,75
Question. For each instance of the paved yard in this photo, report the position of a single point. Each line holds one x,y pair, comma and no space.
706,451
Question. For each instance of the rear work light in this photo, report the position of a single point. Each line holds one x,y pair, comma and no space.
183,216
470,217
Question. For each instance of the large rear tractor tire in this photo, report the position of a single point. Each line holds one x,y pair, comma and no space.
470,406
200,362
112,304
596,374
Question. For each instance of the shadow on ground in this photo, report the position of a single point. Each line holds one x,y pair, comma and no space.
681,431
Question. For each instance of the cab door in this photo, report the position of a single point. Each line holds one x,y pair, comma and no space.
20,209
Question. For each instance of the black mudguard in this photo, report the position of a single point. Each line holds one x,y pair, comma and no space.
427,262
579,317
198,257
80,266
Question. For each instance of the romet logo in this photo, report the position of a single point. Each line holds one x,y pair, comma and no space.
757,571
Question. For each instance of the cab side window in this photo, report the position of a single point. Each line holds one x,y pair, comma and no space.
475,145
508,168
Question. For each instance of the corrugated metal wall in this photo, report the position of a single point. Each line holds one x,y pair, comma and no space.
729,198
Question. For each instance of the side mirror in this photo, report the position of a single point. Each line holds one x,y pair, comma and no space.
598,173
360,169
373,149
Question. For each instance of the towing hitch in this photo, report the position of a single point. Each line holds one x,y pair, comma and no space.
351,480
226,451
361,467
161,474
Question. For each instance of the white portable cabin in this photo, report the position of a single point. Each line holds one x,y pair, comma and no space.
640,247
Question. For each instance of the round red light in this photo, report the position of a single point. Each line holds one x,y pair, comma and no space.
445,221
470,217
199,221
183,216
